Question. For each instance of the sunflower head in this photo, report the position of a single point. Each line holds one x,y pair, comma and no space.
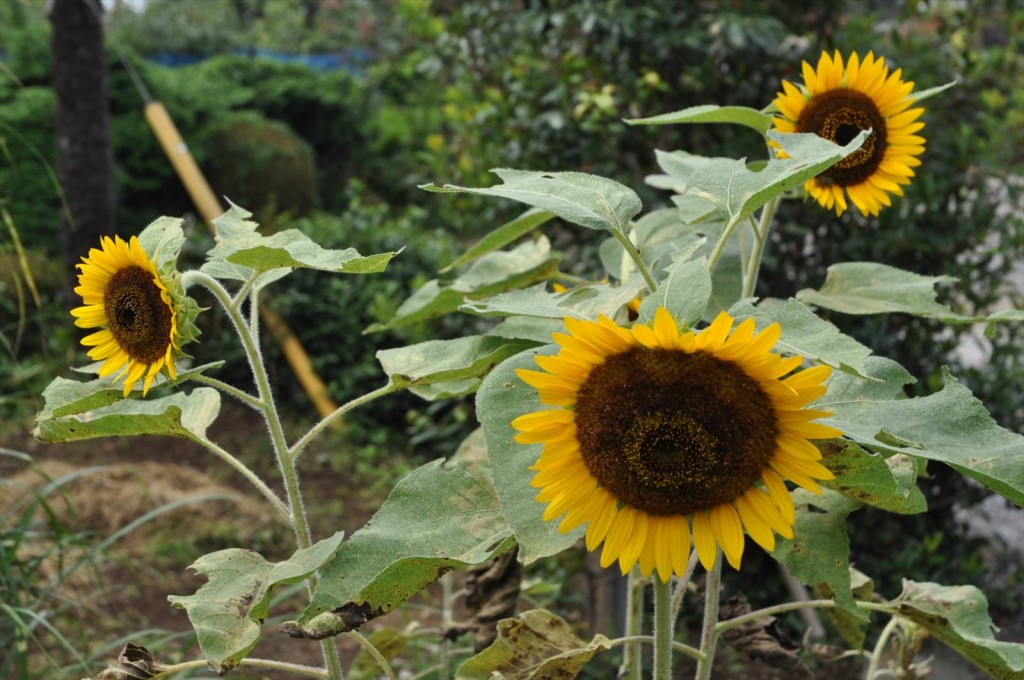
837,103
142,315
661,435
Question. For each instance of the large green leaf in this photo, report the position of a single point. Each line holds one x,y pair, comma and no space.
502,236
806,334
537,645
709,113
242,251
539,330
868,478
950,426
228,610
502,398
684,291
587,200
73,413
435,520
584,302
729,187
491,274
437,361
958,615
873,288
819,554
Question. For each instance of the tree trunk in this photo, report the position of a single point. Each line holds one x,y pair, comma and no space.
84,158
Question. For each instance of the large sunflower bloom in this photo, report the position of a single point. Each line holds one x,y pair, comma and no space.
123,295
660,430
837,103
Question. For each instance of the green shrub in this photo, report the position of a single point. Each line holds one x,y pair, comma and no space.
260,163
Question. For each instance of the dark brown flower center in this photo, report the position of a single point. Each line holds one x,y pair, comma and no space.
840,115
671,433
138,317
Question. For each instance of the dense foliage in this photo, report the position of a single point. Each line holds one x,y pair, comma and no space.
455,89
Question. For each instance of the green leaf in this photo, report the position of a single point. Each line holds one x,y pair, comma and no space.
853,629
684,291
536,645
72,414
873,288
538,330
435,520
868,478
587,200
228,610
502,236
493,273
584,302
950,426
709,113
437,361
446,390
727,186
958,615
806,334
819,554
919,97
162,240
502,398
242,251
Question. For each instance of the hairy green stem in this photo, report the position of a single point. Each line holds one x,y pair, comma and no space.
708,637
447,599
663,629
299,522
681,585
632,659
231,390
297,669
876,655
253,478
372,651
689,651
299,446
634,255
753,265
723,626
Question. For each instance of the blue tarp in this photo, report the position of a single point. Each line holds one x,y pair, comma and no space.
353,60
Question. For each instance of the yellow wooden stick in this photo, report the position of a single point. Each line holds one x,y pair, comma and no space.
209,207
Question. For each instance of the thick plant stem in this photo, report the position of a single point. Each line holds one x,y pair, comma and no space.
708,635
753,265
300,524
634,255
632,658
663,629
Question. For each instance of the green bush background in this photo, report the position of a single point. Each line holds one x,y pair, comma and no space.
453,89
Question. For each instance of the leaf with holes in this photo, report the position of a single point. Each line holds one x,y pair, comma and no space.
228,611
536,645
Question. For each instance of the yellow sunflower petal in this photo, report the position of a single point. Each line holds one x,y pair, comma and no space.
728,530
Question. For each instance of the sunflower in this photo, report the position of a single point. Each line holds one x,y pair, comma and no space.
125,296
837,103
662,435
